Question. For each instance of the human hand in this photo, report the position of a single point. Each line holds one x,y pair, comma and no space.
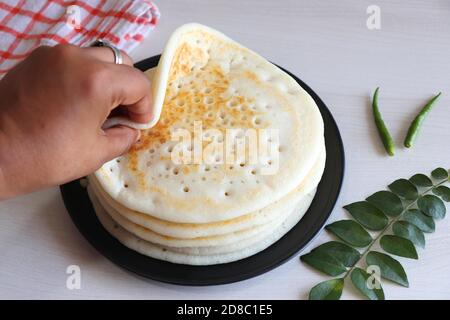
52,107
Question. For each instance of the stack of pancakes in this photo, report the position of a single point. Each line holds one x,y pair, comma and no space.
232,164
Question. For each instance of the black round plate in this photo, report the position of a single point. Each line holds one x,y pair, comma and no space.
80,209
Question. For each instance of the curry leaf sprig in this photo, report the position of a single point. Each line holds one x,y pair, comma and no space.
396,220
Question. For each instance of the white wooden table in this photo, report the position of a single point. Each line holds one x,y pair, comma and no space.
328,45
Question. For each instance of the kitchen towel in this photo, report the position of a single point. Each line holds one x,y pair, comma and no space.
25,25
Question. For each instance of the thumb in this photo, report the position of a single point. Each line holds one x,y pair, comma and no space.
119,139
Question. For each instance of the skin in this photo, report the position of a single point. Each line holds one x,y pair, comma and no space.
52,108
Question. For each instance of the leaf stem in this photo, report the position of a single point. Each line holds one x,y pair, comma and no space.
393,220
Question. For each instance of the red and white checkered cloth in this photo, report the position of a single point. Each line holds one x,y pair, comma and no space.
27,24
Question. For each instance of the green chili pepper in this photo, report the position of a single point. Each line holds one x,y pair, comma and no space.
414,128
381,126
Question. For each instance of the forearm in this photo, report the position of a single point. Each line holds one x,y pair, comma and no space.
5,192
21,170
17,175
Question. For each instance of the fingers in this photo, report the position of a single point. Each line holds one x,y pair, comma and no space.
106,55
141,111
132,92
129,87
117,141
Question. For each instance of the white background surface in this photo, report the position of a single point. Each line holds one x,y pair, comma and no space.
327,44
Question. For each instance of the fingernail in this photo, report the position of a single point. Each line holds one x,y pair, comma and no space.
138,136
150,118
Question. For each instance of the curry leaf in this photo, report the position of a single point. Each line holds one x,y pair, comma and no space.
421,180
404,188
351,232
343,253
360,279
368,215
390,268
443,192
409,231
327,290
387,202
398,246
439,173
324,262
432,206
421,221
